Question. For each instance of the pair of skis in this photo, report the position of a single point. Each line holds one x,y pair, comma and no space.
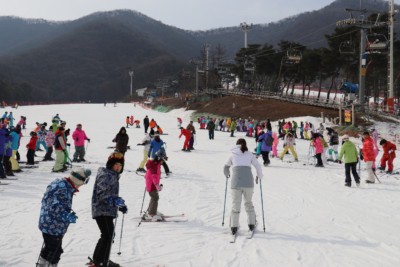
167,218
250,235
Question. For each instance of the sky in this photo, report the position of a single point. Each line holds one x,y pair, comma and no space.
184,14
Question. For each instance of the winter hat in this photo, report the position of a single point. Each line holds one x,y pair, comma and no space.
80,176
345,137
115,157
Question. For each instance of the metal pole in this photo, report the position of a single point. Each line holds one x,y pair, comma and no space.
391,40
262,205
197,80
131,74
363,63
223,214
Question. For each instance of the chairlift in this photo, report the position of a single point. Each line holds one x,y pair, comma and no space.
222,70
377,42
294,56
347,48
249,66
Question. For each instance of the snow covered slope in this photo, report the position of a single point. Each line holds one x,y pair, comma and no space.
311,218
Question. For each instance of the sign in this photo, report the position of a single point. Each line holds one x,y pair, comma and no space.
347,115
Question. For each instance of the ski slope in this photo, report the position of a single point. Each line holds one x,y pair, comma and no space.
311,218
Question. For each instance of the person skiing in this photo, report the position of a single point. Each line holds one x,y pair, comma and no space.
319,149
121,140
187,134
242,183
60,145
232,127
368,155
105,205
211,128
350,153
146,123
56,214
16,136
333,144
41,135
266,146
79,137
192,130
31,146
288,144
127,121
49,138
3,132
8,154
153,186
389,155
146,145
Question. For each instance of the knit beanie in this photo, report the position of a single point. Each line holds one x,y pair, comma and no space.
80,176
115,157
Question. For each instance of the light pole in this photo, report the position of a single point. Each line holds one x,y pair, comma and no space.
245,28
131,74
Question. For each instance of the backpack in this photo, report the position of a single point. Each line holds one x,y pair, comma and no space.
269,140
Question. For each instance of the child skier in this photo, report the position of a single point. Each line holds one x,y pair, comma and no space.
31,146
153,185
56,214
388,155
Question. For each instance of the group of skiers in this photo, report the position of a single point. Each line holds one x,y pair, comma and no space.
56,211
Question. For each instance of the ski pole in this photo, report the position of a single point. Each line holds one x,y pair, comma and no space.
113,235
144,195
376,176
37,262
226,188
120,236
262,205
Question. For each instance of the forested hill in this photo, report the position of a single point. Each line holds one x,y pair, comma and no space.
89,58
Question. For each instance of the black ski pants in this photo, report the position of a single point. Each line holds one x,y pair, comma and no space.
353,168
52,249
211,134
30,156
265,156
102,251
166,168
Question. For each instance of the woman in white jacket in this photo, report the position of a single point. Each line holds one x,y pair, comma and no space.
242,183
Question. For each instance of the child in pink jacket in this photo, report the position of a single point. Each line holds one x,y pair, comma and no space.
153,185
319,149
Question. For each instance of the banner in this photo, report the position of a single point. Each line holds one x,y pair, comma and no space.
347,115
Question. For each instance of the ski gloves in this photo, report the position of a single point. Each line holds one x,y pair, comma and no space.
226,171
70,217
118,202
159,187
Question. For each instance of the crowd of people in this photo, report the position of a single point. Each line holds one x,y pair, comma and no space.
56,211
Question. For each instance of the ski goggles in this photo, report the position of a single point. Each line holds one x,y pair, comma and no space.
85,179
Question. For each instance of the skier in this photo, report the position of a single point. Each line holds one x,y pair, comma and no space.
333,144
41,135
56,214
275,145
11,119
368,155
8,154
60,145
388,155
3,132
146,145
187,134
288,144
232,127
266,146
191,128
31,146
16,136
211,128
242,183
153,185
49,139
105,205
319,149
179,122
79,137
127,121
152,124
350,153
121,140
146,123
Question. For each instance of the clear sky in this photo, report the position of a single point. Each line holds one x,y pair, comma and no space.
184,14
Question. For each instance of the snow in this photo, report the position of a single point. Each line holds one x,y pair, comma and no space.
311,218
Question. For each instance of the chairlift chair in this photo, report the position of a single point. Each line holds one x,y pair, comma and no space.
248,66
294,56
377,42
347,48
